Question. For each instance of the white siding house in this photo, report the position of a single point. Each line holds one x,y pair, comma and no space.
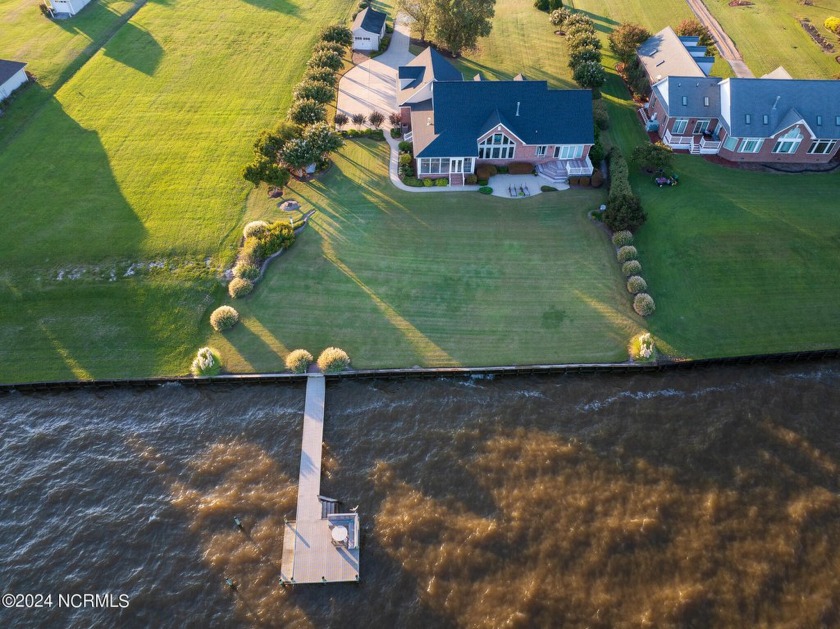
12,76
368,29
69,7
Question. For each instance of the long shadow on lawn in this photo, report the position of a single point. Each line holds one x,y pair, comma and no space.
281,6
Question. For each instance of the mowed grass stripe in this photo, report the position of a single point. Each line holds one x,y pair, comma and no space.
400,279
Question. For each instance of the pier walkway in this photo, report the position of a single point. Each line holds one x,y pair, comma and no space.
320,545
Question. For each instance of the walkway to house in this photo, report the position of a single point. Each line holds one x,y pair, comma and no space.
724,44
372,85
310,554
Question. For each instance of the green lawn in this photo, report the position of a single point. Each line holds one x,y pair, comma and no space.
402,279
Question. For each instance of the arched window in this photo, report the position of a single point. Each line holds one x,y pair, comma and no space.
789,142
496,146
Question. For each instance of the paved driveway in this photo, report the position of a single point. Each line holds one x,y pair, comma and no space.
372,85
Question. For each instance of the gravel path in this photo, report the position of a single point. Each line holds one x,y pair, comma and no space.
724,44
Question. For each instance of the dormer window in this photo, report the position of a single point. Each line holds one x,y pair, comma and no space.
685,100
747,118
705,101
765,119
819,121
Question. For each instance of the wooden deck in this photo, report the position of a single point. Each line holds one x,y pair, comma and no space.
309,555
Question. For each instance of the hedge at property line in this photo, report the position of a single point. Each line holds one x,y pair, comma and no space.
644,305
619,174
627,253
333,360
298,361
636,284
224,318
621,238
631,267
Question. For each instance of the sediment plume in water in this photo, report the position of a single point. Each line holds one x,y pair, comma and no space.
580,539
239,479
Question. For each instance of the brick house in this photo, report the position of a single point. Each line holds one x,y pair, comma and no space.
770,119
456,125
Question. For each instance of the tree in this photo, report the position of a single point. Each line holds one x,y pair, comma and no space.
321,75
314,90
297,155
624,211
307,111
326,59
376,119
694,28
330,46
270,141
582,55
583,40
590,75
340,119
338,33
578,29
541,5
626,39
457,24
653,156
395,119
265,170
420,11
559,17
580,18
322,140
833,24
358,119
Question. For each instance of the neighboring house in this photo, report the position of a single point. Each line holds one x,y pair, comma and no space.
456,125
770,119
12,76
68,7
368,29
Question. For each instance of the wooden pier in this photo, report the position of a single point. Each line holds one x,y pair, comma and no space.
320,545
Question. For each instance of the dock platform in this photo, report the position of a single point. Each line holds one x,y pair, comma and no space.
320,545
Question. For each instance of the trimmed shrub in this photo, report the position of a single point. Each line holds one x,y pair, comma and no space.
396,132
833,24
298,361
442,182
548,189
307,111
333,360
224,318
326,59
541,5
485,171
405,147
585,181
314,90
628,252
428,183
485,190
405,158
597,179
322,75
579,18
376,118
631,267
358,119
520,168
470,180
502,170
331,46
246,271
622,238
636,284
337,33
239,287
340,119
481,182
207,362
624,212
414,182
644,304
619,174
600,115
582,55
277,236
254,228
642,347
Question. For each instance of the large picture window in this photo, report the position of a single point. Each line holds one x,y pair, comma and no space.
821,147
568,151
789,142
730,143
679,126
750,145
497,146
434,166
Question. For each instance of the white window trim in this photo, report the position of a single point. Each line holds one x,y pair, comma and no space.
677,122
703,128
540,150
830,144
507,147
759,142
576,151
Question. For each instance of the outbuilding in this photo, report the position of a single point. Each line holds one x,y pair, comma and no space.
368,29
12,76
68,7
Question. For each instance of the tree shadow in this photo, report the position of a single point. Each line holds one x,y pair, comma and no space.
281,6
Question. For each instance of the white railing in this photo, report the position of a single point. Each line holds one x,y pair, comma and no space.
709,146
643,111
579,167
407,136
678,142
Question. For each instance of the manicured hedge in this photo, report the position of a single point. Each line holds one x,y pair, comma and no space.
485,171
298,361
224,318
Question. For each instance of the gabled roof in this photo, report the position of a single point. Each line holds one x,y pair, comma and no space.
465,110
428,66
695,89
8,69
784,102
665,55
778,73
369,20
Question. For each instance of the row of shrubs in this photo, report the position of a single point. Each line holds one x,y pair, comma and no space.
317,88
260,241
208,360
584,48
627,256
425,182
624,209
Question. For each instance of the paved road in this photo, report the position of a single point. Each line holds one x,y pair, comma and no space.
724,44
372,85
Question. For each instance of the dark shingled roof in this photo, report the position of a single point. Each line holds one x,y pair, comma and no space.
799,99
8,69
695,89
370,20
429,65
464,110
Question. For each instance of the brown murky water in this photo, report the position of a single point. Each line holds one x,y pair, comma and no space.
705,499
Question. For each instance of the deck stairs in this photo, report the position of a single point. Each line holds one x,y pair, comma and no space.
554,172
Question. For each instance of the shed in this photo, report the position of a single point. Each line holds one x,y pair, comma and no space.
368,29
12,76
68,7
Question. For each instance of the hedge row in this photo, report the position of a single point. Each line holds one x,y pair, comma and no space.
317,88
